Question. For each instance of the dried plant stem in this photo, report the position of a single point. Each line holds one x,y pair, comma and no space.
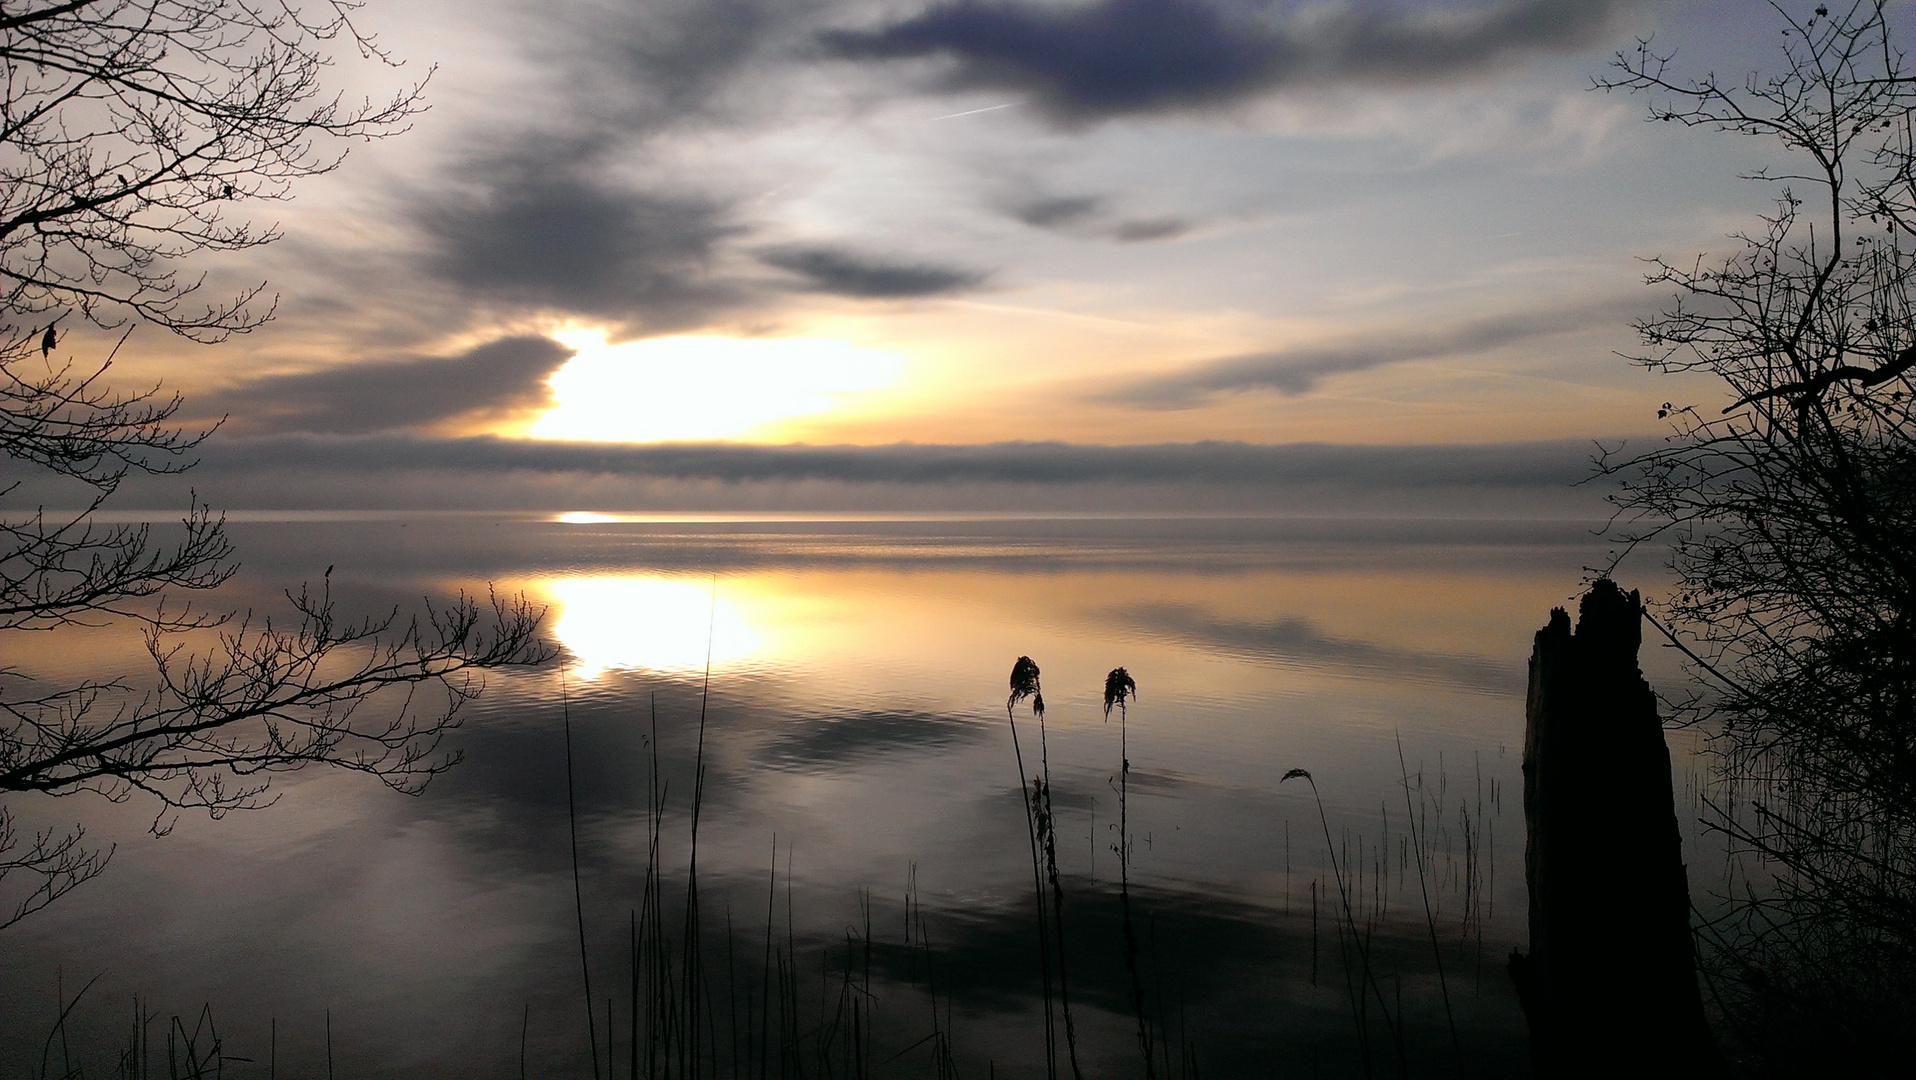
1037,882
1048,837
1430,916
1357,991
1124,889
578,894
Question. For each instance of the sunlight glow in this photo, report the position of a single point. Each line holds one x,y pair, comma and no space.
645,624
697,387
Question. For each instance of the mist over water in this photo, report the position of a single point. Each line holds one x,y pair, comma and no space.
856,720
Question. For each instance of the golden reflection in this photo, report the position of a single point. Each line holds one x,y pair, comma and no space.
950,635
649,623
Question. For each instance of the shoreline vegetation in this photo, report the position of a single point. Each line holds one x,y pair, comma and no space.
1377,946
143,135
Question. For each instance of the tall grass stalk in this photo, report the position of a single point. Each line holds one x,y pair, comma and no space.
695,989
1024,684
59,1029
1355,989
765,973
1047,821
1430,915
1119,688
578,893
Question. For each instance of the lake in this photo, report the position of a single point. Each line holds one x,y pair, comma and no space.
861,797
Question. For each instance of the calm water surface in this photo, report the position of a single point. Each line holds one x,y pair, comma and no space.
856,733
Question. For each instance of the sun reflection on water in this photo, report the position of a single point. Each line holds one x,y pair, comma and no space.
646,623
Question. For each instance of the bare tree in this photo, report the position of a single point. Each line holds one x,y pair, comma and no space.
1789,511
211,726
127,130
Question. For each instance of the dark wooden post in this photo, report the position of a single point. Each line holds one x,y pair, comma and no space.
1609,986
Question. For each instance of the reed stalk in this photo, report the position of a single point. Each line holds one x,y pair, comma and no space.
1119,688
1430,915
578,893
1047,820
1024,684
1358,997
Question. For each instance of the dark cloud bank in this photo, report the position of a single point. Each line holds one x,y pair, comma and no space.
1497,465
830,269
539,226
545,227
351,399
1086,62
414,472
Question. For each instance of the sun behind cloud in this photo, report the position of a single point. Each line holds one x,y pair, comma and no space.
701,387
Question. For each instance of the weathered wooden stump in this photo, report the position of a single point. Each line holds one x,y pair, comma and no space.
1609,986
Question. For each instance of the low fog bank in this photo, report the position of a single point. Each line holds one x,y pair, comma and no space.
1533,480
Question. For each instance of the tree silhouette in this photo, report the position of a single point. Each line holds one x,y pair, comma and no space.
1788,508
129,129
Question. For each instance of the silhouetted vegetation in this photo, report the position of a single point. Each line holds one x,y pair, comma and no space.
135,130
1609,896
1790,518
231,699
737,986
132,131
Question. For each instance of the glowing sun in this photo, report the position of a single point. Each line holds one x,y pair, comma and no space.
700,387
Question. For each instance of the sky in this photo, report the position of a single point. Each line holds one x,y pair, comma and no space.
1397,236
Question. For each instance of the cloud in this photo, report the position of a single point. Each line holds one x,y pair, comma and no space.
1298,370
542,207
835,741
1219,945
1438,486
1294,640
831,269
1087,62
659,63
1089,215
415,392
1058,211
1142,230
545,225
1496,465
554,230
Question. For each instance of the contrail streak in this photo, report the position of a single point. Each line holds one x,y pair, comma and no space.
969,112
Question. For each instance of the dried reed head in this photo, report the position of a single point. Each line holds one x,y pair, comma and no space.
1119,687
1024,684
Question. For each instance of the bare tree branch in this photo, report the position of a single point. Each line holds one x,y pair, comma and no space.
1790,522
129,129
53,865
